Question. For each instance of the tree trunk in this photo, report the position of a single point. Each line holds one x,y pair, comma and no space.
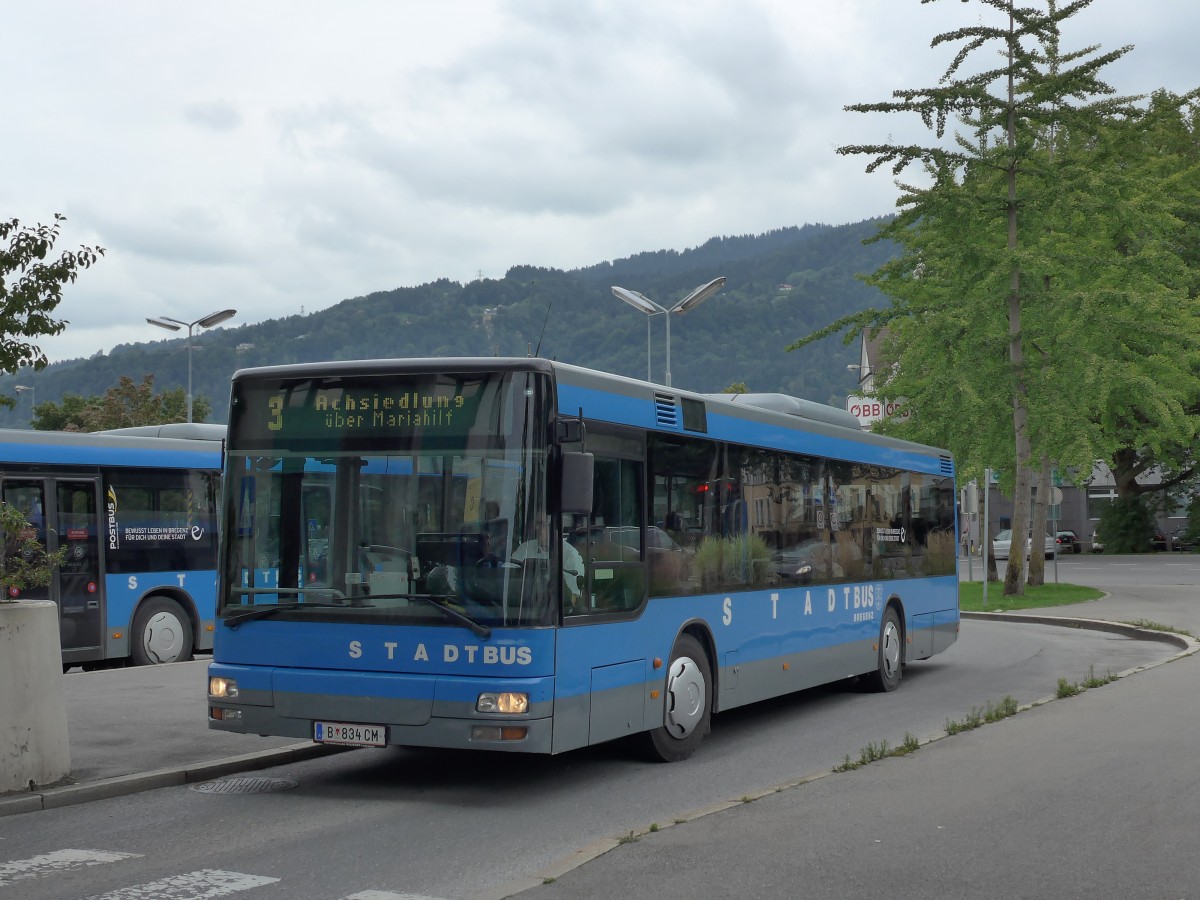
1014,576
1037,554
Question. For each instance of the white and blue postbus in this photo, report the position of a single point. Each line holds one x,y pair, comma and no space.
522,555
134,512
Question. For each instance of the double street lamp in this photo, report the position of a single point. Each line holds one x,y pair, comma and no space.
208,321
650,308
21,389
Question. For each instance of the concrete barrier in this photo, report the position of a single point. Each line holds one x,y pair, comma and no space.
34,748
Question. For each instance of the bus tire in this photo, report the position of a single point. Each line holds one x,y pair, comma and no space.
687,711
162,633
890,655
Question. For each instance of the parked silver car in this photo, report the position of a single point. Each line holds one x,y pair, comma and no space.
1002,543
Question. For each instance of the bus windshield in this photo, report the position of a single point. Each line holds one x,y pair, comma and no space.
400,498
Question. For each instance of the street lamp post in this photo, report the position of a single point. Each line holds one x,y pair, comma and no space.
650,308
21,389
208,321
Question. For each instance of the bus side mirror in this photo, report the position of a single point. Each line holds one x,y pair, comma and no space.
577,482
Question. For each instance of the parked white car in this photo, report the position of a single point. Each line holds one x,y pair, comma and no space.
1002,544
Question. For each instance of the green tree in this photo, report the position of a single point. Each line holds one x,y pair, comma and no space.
124,405
24,562
64,416
31,288
1148,279
980,294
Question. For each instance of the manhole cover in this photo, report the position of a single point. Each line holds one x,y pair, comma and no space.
244,786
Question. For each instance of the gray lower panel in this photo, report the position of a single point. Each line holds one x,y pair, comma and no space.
778,675
339,708
572,722
932,633
451,733
944,633
619,710
921,639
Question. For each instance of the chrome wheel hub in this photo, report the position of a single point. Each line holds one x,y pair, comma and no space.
685,697
889,651
163,638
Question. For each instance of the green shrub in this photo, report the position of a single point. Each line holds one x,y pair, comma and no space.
1126,526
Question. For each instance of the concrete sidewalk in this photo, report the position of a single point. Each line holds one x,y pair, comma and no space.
135,729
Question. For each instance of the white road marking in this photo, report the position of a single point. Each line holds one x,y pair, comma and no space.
198,885
58,861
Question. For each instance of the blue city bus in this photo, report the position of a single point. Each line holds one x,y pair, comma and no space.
522,555
134,511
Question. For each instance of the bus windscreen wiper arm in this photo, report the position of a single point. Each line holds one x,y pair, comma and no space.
263,612
480,631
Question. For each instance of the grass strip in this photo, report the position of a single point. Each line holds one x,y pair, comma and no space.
970,596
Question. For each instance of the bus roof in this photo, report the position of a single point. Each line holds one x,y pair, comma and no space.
644,404
196,431
65,448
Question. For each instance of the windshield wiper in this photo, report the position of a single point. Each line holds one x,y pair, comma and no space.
263,612
480,631
232,622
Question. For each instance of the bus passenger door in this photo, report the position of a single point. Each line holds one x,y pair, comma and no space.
68,522
80,595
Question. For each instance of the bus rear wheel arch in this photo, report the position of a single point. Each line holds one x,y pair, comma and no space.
687,703
162,633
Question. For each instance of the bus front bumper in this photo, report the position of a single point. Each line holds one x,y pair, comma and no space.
418,711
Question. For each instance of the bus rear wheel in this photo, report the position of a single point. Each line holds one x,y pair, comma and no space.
688,704
162,633
890,656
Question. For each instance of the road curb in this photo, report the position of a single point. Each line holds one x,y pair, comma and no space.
1187,644
107,788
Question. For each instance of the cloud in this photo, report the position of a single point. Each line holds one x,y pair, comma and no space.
286,154
215,115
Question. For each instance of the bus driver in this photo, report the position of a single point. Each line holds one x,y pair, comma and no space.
539,548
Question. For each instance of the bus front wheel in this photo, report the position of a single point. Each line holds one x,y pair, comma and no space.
890,655
688,704
162,633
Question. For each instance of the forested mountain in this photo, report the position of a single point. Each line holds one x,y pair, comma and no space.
781,285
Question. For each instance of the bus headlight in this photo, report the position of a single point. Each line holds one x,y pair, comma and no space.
503,702
222,688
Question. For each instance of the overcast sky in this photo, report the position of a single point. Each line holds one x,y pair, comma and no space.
278,157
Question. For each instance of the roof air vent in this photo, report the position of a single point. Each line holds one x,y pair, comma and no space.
666,410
